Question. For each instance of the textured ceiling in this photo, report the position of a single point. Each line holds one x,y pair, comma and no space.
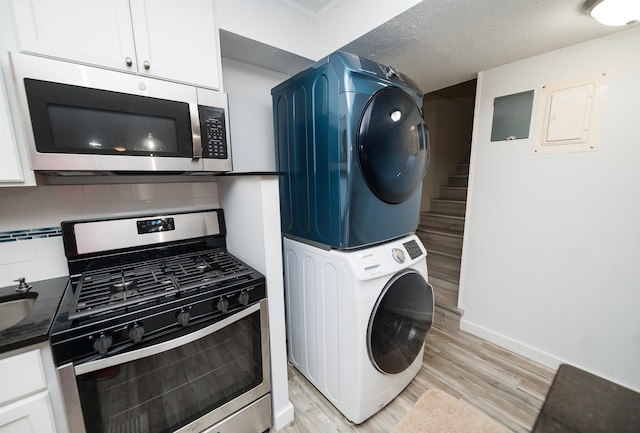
439,43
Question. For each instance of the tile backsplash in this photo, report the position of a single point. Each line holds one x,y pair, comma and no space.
30,217
24,235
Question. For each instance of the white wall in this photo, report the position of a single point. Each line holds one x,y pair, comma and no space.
269,22
352,19
551,259
250,114
305,34
252,208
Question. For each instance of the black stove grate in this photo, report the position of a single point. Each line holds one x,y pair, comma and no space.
119,287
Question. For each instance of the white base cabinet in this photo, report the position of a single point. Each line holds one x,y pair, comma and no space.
175,40
29,395
29,415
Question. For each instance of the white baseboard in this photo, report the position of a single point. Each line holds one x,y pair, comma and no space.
283,418
515,346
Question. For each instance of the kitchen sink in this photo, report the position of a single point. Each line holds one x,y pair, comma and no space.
15,307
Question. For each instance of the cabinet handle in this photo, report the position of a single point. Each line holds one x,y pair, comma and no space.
146,65
128,61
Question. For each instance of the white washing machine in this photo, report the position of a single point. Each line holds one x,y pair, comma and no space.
357,320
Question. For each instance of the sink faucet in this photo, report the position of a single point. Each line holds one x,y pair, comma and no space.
22,285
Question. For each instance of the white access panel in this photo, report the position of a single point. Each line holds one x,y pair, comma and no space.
568,115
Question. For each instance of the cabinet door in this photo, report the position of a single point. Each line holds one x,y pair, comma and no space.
96,32
30,415
178,40
10,162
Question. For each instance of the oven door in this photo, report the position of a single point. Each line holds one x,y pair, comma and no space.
186,384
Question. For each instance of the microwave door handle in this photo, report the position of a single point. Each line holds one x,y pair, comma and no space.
144,352
196,133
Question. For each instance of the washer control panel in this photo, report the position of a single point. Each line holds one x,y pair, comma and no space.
413,249
387,258
369,262
398,255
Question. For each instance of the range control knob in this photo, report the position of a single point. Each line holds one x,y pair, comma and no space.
222,305
136,331
102,343
398,255
243,298
183,316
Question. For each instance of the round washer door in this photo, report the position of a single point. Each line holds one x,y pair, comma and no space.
393,145
399,322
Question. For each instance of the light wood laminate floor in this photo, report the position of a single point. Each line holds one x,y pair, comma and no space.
505,386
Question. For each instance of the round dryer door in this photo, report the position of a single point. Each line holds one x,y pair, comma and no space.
393,145
399,322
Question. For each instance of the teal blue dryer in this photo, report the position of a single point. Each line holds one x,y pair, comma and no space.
353,148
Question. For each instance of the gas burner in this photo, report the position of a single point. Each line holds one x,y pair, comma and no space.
122,295
212,274
201,265
123,285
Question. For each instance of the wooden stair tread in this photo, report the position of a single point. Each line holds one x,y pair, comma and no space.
434,273
454,253
451,308
445,319
448,200
443,274
442,231
444,292
434,231
438,280
448,206
437,215
450,223
453,192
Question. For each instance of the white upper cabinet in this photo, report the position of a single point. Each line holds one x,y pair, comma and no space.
169,39
10,166
178,40
94,32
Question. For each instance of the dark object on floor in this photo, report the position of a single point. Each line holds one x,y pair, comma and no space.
580,402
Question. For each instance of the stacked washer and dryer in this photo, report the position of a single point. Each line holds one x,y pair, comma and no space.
353,149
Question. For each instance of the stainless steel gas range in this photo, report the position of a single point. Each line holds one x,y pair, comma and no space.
161,329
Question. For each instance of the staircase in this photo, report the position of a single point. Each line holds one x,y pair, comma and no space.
441,231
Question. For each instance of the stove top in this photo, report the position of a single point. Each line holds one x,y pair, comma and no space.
116,288
136,281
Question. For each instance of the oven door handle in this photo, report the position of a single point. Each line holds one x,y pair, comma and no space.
133,355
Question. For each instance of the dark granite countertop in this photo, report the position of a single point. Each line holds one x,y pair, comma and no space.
35,327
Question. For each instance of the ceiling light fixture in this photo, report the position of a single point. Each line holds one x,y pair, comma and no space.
613,12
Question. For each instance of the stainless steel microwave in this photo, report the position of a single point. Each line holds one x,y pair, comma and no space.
82,119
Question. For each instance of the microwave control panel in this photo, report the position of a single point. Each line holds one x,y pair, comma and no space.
213,132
